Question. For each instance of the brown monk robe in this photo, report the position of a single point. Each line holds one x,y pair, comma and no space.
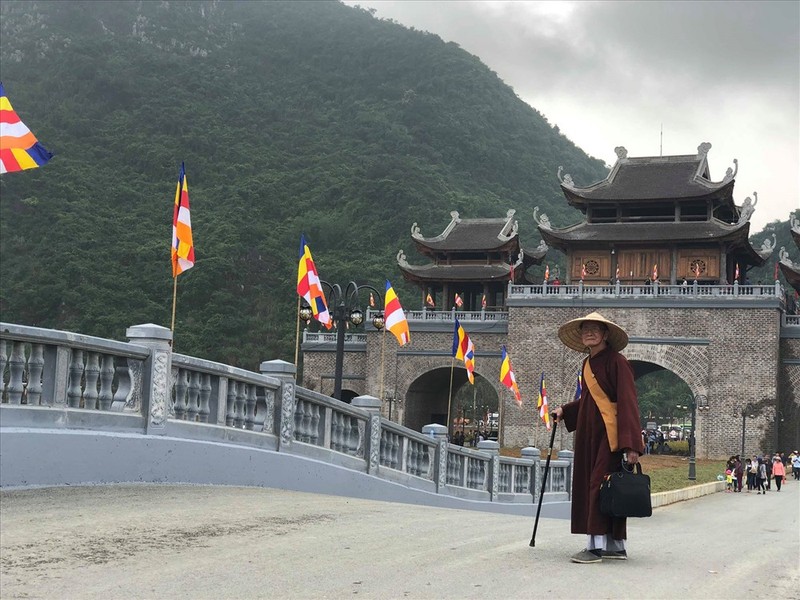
593,456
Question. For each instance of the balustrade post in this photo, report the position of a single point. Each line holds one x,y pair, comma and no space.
569,456
493,448
439,435
156,392
371,437
283,414
535,455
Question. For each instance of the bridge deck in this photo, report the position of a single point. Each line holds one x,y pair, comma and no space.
147,541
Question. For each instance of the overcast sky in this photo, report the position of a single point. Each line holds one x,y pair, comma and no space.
612,73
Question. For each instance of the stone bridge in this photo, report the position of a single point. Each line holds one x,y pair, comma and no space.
83,410
732,343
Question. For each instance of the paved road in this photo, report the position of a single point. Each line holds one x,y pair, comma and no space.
147,541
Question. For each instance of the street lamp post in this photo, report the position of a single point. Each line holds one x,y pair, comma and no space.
345,306
747,410
695,403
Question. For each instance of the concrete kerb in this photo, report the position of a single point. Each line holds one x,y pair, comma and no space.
695,491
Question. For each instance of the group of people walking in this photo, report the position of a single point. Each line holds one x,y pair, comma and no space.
759,472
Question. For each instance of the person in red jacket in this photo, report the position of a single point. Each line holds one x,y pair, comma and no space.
778,471
607,429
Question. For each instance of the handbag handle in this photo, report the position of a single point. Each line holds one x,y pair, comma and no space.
637,467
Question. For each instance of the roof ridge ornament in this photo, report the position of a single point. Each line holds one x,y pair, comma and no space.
401,258
621,152
767,247
542,221
747,209
702,150
794,222
415,232
783,256
730,174
566,179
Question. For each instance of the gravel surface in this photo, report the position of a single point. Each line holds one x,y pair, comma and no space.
166,541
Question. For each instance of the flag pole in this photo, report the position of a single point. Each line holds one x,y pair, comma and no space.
297,336
544,482
174,301
450,395
383,370
500,419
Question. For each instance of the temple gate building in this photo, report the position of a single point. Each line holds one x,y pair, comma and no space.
662,249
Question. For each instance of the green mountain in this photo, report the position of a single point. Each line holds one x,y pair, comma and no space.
291,117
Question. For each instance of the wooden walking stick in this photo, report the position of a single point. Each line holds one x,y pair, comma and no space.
544,481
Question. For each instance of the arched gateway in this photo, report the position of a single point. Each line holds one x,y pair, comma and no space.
662,250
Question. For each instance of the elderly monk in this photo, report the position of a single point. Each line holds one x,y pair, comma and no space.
607,430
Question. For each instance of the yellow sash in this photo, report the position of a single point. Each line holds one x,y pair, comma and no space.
608,409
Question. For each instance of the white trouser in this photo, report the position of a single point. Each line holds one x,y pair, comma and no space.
604,542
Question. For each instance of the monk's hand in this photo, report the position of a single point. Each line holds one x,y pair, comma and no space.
632,457
557,414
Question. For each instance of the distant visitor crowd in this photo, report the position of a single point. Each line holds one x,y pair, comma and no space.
760,472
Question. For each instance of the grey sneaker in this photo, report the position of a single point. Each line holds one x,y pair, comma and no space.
586,557
615,554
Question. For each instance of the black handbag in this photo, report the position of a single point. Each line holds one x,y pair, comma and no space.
626,493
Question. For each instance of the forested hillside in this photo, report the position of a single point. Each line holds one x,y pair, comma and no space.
291,117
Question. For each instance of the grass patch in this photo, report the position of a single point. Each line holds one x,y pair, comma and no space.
667,472
666,476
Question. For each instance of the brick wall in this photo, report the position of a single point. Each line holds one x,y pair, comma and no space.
733,356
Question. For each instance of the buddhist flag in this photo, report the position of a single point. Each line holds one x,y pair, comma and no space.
541,404
697,270
617,275
395,317
459,301
182,244
776,271
507,377
483,301
583,271
371,300
655,271
736,275
429,301
19,148
578,387
309,286
511,274
463,349
547,273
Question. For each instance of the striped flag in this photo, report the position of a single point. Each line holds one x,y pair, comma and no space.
655,271
697,270
736,275
547,273
371,300
463,349
182,244
429,301
459,301
19,148
776,271
309,286
507,377
541,404
511,274
583,271
483,301
579,387
395,318
617,274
